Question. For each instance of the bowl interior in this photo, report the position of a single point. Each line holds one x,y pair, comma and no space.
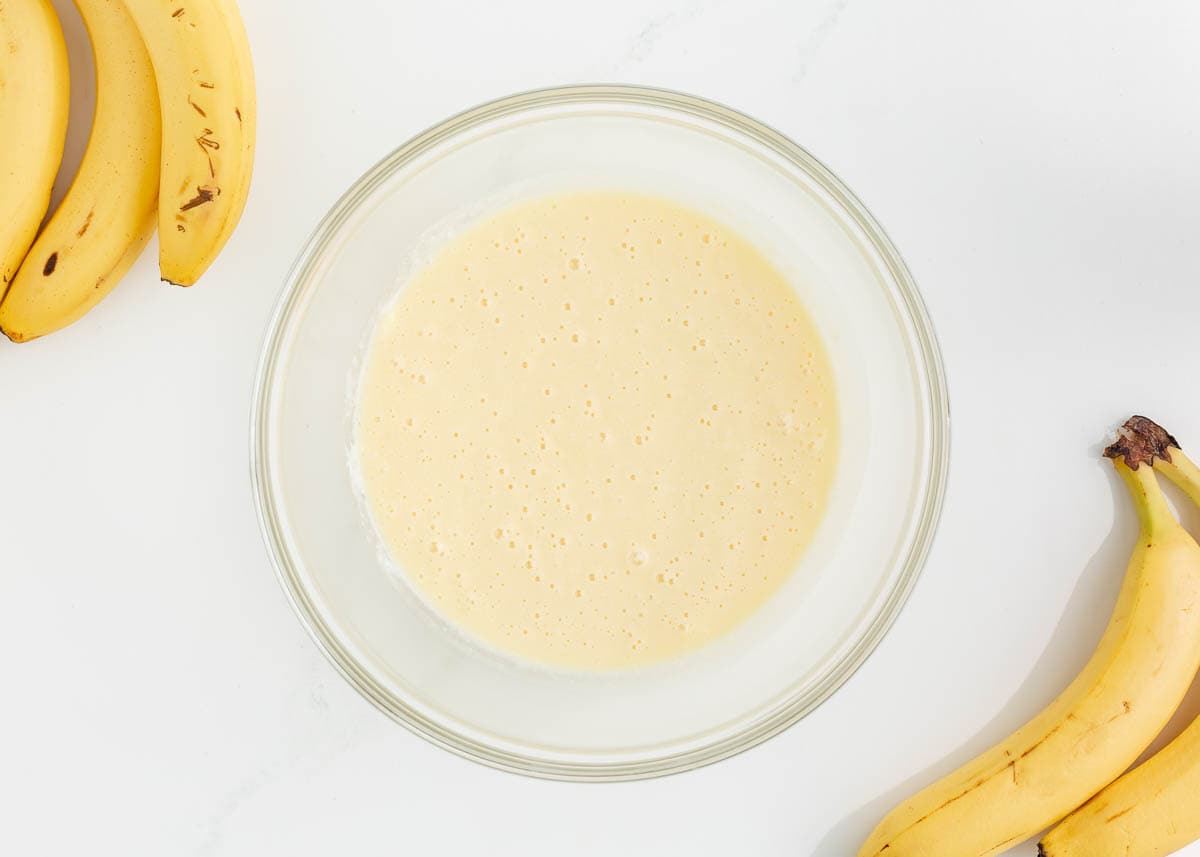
788,656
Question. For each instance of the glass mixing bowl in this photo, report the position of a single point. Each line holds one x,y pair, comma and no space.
790,655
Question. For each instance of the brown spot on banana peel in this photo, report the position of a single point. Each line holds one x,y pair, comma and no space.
238,112
178,13
196,106
51,264
1001,846
206,143
87,222
1139,441
1125,811
204,194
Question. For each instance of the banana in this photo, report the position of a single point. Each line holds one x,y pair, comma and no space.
108,214
35,88
1153,810
1098,726
205,82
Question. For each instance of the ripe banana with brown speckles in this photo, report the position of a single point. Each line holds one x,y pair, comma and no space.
1153,810
1099,725
35,88
205,82
108,213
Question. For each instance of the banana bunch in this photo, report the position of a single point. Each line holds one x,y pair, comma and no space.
171,144
1062,765
1153,810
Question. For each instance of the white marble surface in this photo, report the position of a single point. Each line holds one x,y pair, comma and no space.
1035,162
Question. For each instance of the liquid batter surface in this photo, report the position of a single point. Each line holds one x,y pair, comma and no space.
596,430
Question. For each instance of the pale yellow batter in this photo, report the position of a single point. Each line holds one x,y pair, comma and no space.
597,430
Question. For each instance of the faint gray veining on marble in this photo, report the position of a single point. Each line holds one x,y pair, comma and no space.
656,28
325,739
807,53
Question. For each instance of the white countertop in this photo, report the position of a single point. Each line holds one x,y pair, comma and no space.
1037,164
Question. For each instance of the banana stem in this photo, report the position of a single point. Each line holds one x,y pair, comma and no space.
1143,441
1148,498
1183,472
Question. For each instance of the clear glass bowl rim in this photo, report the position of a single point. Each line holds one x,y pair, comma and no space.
936,415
